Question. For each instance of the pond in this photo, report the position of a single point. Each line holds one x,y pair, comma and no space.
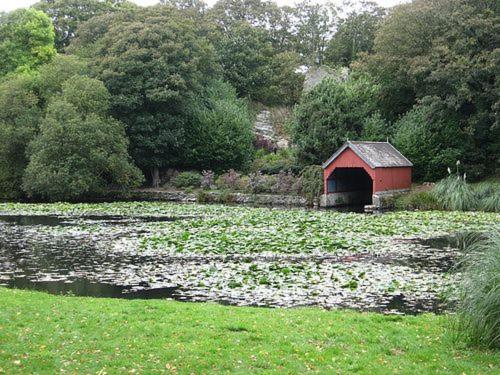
145,253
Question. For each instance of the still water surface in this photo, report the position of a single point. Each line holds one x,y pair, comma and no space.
64,255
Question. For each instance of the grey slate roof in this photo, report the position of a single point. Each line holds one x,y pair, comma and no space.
375,154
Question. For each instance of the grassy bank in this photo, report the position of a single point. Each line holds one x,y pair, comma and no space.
44,334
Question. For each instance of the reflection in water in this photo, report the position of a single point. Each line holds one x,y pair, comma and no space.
32,220
77,255
85,288
54,220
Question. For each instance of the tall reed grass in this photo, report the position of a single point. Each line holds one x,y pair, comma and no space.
488,196
455,194
478,310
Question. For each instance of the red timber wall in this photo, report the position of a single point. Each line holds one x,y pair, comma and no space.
395,178
383,178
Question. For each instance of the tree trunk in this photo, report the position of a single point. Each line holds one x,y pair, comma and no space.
155,176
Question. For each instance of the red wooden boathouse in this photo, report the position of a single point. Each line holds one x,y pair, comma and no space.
364,172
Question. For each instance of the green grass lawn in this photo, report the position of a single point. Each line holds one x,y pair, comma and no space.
41,333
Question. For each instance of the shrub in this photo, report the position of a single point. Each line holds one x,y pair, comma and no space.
203,197
227,197
466,239
269,183
229,180
490,204
244,184
479,299
223,130
273,163
329,114
455,194
312,182
431,138
187,179
376,128
417,200
284,182
263,143
207,180
260,183
256,180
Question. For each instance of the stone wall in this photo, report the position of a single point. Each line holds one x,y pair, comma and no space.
342,199
380,199
385,199
215,197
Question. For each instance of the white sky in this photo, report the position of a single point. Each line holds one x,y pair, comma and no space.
8,5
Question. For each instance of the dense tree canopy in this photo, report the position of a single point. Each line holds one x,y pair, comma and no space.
246,54
314,28
330,114
23,101
278,21
66,15
80,151
20,115
444,51
26,40
430,136
223,134
355,34
154,62
174,83
255,68
304,28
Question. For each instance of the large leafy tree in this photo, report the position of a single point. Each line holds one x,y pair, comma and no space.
255,12
23,101
154,62
80,151
255,68
330,114
355,34
50,78
285,84
19,120
304,28
68,14
246,53
431,137
402,40
314,25
278,21
222,136
444,51
26,40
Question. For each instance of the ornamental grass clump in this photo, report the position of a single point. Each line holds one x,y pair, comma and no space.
479,297
454,193
488,196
